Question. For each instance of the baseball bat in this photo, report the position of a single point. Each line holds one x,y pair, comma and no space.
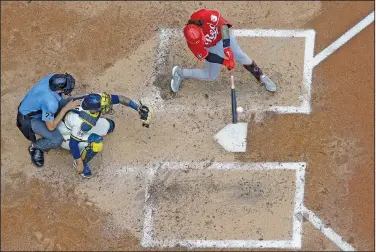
233,100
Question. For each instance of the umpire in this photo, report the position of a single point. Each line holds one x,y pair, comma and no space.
41,111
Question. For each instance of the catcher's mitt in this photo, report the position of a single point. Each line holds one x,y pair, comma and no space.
106,104
145,115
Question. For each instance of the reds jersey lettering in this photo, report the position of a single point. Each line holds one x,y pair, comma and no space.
212,36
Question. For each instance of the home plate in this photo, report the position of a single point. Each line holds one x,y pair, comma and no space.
233,137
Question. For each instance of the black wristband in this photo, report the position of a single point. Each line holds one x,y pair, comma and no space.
226,43
214,58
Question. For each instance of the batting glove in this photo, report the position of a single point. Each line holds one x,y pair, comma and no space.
228,53
230,64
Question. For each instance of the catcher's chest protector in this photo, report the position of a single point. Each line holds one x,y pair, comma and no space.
91,119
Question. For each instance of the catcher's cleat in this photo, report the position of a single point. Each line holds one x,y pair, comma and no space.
176,79
86,173
37,156
269,84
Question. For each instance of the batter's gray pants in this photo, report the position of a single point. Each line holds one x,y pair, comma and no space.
211,70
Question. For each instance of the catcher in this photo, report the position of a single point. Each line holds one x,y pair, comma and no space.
83,128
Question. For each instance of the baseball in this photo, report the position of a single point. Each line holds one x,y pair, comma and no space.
240,109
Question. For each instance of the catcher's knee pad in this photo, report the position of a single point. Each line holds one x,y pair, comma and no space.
95,145
112,125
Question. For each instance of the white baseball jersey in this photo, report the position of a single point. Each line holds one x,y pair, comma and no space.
73,125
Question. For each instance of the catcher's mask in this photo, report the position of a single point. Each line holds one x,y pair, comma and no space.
98,102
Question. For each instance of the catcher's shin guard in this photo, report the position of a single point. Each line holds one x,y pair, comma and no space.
95,145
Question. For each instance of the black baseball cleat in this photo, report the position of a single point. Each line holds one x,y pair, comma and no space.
37,156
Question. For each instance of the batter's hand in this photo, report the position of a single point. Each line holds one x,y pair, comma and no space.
228,53
230,64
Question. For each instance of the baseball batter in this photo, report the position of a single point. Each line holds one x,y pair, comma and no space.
83,128
208,37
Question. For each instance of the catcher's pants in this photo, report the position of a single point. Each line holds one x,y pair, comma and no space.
211,70
101,128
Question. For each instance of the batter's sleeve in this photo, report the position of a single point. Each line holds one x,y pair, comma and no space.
223,21
215,18
198,51
212,17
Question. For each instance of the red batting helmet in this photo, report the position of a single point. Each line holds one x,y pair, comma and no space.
193,34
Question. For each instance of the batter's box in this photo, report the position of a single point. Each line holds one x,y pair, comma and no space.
285,55
224,205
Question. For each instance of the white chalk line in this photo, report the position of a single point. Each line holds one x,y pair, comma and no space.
183,165
153,97
307,71
253,32
262,166
164,37
223,244
327,231
343,39
148,211
298,167
298,205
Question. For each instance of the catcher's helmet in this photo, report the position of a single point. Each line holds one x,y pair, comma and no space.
193,34
64,82
92,102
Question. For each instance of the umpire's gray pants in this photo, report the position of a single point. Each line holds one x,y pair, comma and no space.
211,70
50,139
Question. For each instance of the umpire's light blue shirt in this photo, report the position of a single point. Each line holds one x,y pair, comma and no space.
41,97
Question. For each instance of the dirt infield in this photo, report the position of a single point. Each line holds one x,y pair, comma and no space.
112,47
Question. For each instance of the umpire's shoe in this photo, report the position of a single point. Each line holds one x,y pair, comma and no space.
176,79
37,156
